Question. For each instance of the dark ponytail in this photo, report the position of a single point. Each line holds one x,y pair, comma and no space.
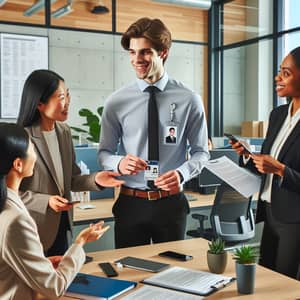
14,142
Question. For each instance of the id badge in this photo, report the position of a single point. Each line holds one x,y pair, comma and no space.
152,170
170,134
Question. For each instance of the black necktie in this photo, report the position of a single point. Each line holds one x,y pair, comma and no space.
153,145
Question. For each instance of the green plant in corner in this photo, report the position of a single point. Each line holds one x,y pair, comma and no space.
216,246
246,255
93,122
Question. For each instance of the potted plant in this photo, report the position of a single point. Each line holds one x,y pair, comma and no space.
216,256
246,258
93,122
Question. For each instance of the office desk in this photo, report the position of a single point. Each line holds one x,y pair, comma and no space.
103,210
269,284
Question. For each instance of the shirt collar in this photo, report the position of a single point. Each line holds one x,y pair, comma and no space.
160,84
12,195
295,118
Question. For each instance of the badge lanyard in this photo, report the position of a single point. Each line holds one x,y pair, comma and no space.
170,137
172,113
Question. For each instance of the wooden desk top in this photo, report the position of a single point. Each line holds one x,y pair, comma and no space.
103,210
269,284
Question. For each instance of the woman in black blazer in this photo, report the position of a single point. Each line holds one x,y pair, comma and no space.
279,166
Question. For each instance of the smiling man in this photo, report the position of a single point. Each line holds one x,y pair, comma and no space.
155,212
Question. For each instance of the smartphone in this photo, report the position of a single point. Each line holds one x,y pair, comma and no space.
73,201
108,269
231,137
235,140
176,255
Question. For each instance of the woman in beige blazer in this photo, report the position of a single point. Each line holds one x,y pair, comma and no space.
24,270
46,194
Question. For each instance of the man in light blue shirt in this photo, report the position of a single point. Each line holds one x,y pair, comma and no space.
158,215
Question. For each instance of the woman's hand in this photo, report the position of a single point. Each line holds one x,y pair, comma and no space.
55,260
92,233
58,203
107,179
239,148
266,164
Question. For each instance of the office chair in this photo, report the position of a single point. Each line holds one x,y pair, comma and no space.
231,218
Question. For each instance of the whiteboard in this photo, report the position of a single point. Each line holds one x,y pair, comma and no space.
20,55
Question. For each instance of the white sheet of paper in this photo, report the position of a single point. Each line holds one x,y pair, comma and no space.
239,178
152,292
188,280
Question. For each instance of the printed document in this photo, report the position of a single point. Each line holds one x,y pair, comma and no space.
152,292
239,178
190,281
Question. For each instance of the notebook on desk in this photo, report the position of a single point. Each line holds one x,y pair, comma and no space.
92,287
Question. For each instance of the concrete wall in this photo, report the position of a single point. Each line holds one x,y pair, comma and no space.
94,65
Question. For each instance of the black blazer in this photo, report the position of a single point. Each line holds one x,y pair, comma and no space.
170,141
285,193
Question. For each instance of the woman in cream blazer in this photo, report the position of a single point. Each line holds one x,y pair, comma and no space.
46,194
24,270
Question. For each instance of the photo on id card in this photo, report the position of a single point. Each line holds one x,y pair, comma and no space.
152,170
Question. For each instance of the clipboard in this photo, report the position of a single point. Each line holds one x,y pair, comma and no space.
189,281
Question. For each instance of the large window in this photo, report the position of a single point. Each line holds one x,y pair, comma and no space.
248,83
247,63
291,14
290,41
246,19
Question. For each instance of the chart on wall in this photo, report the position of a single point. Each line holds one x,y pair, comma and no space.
20,55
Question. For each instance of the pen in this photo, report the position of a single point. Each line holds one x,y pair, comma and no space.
221,283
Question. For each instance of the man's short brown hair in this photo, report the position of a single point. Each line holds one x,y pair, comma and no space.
153,30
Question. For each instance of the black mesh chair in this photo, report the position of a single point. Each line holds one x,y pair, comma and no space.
231,217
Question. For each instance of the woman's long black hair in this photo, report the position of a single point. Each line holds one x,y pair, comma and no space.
38,88
14,142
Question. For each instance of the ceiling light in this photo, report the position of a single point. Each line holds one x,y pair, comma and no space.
63,10
204,4
2,2
39,5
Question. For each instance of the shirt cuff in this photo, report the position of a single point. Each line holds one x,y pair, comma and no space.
181,176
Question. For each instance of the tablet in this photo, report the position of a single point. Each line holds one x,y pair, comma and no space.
142,264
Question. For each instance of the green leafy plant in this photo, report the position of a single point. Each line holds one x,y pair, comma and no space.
93,122
246,255
216,246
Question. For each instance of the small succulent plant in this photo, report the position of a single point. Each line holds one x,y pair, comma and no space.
246,255
216,246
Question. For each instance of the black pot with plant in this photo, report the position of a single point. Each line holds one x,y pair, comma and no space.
93,122
216,256
246,258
